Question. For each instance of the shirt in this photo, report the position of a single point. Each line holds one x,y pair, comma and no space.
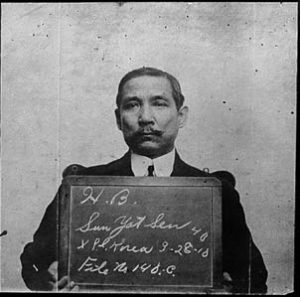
163,165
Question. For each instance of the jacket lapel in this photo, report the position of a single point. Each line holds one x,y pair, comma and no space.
183,169
178,166
123,167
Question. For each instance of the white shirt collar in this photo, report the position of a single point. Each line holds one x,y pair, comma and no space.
163,165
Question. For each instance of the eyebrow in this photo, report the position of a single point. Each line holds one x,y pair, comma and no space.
160,97
136,98
130,98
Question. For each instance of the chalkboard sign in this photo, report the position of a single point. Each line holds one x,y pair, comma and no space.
141,233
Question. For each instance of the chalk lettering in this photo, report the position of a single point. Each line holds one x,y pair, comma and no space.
89,227
135,268
170,269
178,251
164,246
205,253
122,196
115,245
126,223
121,267
144,267
134,249
158,223
187,247
119,246
98,244
83,244
90,265
195,230
152,268
203,236
129,223
155,269
88,191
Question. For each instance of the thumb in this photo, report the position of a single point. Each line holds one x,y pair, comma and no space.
53,269
227,277
75,289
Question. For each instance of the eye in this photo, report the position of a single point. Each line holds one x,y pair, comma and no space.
131,105
160,102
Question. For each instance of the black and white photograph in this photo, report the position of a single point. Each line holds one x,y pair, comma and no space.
148,147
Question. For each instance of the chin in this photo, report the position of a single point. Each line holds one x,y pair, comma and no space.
147,149
151,150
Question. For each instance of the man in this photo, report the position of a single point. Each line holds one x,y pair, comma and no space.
149,113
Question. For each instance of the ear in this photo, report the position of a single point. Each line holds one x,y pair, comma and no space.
182,116
118,119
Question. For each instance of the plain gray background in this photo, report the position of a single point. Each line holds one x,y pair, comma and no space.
236,62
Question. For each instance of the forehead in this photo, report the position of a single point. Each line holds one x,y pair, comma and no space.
147,85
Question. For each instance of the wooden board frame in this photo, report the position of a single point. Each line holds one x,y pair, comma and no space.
216,222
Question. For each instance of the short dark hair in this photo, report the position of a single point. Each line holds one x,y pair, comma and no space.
176,89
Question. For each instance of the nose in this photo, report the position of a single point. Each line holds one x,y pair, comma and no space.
146,115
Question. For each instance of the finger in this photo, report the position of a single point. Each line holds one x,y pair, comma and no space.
47,279
52,277
53,266
69,287
52,285
227,277
53,270
63,282
75,289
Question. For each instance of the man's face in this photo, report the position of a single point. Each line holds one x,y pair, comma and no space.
148,116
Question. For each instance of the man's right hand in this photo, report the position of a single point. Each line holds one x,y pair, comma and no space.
50,277
227,282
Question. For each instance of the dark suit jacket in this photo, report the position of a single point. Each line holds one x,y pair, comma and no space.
241,258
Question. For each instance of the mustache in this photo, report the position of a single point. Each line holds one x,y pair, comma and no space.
148,131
